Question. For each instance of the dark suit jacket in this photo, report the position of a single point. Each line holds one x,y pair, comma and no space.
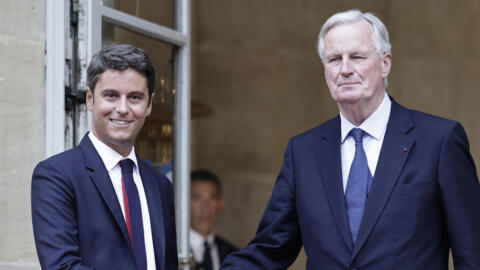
424,200
224,247
77,219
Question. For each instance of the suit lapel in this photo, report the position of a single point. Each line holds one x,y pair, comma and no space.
101,179
156,217
396,146
328,155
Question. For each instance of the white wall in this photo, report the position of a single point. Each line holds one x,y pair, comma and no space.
22,114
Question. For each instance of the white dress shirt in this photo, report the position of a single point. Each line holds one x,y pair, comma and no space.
375,126
198,248
111,158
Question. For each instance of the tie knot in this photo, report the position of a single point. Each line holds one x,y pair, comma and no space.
206,244
357,134
127,166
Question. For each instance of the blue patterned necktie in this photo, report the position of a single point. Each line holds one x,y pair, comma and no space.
133,214
357,185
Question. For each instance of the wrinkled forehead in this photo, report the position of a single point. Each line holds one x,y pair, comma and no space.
348,39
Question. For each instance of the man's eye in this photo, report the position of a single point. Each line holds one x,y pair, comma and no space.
110,95
334,60
136,97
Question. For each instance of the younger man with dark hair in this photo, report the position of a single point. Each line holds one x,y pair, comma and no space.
98,206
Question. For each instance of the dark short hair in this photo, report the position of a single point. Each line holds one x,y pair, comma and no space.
203,175
121,57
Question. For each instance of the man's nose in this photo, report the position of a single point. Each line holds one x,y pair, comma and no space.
122,106
346,67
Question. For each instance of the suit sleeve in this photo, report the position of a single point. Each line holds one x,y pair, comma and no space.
278,239
54,222
461,198
171,240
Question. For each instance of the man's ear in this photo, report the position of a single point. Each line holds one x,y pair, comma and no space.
89,98
150,102
220,204
386,64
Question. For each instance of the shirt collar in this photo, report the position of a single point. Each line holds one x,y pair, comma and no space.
109,156
197,239
375,125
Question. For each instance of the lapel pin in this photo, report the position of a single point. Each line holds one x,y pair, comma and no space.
405,149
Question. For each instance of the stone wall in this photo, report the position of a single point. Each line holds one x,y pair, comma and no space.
22,84
256,67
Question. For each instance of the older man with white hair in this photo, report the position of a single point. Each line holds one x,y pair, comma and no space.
377,187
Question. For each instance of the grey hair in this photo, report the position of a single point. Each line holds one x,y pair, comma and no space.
380,33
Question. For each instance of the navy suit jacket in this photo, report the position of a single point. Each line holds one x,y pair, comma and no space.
77,219
224,247
424,200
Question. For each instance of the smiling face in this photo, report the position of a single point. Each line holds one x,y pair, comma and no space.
353,71
119,104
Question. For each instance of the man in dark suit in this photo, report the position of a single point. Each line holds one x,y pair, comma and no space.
98,206
377,187
209,249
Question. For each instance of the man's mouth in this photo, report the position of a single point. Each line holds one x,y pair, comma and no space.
120,122
347,83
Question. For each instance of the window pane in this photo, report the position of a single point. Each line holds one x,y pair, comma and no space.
155,142
156,11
